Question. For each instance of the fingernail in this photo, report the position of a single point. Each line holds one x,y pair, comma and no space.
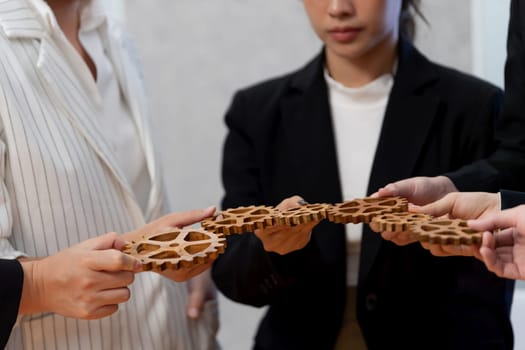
193,312
210,208
137,266
302,202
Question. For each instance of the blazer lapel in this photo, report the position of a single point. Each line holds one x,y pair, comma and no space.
309,132
128,69
407,122
20,21
310,138
70,93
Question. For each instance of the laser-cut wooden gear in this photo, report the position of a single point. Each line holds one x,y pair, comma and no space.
446,232
397,222
364,209
177,248
302,214
240,220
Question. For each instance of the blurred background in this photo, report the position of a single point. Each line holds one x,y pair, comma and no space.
196,54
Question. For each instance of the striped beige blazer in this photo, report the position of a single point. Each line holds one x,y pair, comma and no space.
61,185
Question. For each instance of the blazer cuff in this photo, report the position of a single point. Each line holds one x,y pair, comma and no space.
511,199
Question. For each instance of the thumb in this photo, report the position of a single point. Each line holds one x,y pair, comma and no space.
111,260
195,304
403,188
438,208
189,217
107,241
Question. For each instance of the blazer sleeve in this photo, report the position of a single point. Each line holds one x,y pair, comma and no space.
10,293
245,272
505,167
510,199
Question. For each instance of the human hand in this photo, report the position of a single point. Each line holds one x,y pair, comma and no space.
171,221
85,281
503,251
200,289
283,239
417,190
461,205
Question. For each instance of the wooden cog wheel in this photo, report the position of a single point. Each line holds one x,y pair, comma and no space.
240,220
397,222
364,209
302,214
179,248
446,232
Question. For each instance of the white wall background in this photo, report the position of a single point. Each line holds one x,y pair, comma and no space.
197,53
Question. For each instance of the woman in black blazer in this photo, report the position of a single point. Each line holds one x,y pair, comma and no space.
281,142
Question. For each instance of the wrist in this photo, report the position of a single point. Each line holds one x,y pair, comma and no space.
32,300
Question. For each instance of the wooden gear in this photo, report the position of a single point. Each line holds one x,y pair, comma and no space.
446,232
240,220
177,248
302,214
382,213
364,209
397,222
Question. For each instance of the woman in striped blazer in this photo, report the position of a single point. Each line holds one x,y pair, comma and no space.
77,160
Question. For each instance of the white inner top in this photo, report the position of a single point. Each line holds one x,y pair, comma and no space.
357,116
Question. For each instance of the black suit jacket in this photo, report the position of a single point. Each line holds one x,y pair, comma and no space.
12,277
281,142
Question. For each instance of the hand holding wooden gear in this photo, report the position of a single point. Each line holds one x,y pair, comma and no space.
180,248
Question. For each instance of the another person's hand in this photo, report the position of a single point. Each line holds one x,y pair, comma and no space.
418,190
283,239
460,205
504,250
171,221
200,289
85,281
